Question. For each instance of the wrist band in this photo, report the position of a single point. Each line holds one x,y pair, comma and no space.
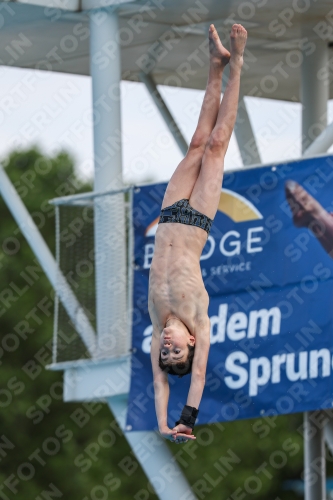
188,416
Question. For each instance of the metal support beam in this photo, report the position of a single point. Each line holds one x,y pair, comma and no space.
110,225
47,262
328,431
154,457
314,96
314,461
165,113
314,93
321,144
245,136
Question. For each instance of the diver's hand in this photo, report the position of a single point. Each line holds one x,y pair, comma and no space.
167,433
176,437
184,433
182,429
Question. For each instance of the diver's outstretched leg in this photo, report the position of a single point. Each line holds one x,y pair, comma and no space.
183,180
206,192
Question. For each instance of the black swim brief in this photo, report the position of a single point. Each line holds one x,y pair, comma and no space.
182,212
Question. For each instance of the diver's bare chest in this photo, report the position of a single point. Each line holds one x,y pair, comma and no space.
177,292
181,281
177,304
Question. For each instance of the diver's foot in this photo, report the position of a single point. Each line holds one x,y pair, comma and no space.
219,55
238,37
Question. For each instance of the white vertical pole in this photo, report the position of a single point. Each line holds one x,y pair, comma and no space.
314,95
328,431
110,250
314,460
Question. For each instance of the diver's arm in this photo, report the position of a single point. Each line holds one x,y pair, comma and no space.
196,390
162,392
198,376
161,386
199,365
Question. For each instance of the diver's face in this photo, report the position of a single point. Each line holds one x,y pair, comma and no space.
174,344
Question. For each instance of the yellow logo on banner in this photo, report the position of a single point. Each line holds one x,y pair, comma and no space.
238,208
232,204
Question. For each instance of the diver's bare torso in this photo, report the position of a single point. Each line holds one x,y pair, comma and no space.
176,287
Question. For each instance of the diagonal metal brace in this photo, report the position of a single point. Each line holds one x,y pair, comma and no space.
164,110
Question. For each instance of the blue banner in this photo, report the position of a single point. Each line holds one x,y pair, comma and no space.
268,269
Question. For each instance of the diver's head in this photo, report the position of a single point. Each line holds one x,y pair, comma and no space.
177,347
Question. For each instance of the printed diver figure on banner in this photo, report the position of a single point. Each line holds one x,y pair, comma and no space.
308,212
178,300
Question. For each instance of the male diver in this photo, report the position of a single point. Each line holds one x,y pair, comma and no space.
178,300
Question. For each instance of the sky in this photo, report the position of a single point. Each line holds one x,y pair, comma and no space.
54,111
